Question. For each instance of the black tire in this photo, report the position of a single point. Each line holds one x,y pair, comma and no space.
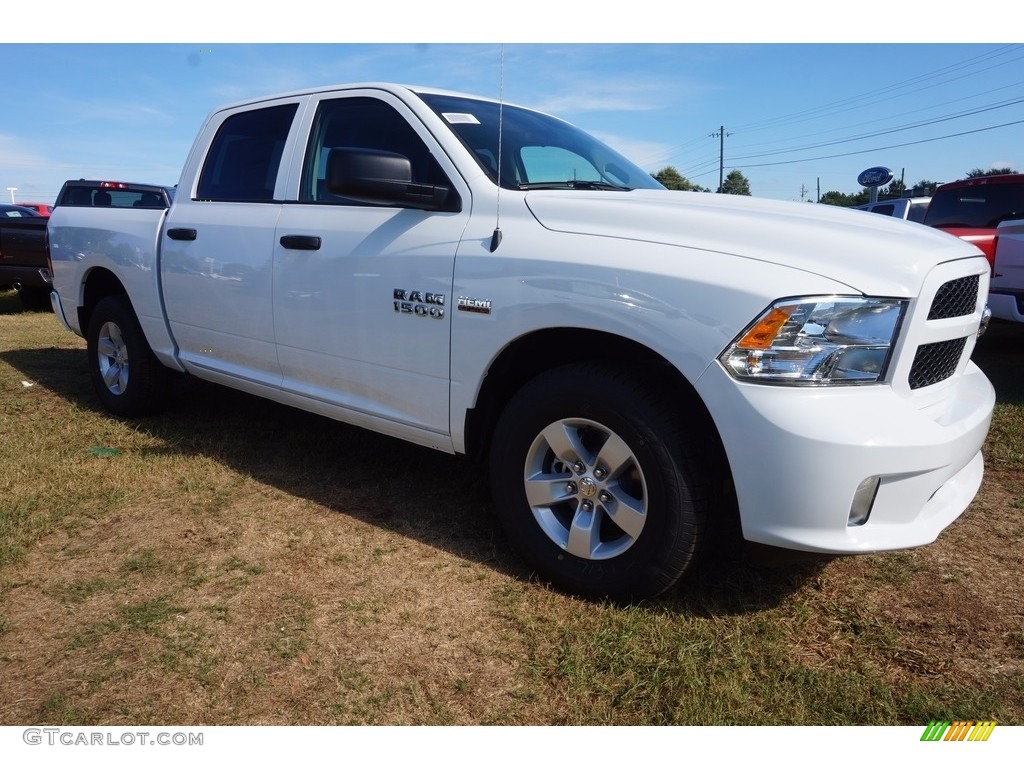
588,433
128,378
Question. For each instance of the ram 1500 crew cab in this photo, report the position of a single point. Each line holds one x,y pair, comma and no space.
485,279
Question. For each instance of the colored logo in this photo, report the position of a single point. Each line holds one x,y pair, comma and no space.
943,730
875,177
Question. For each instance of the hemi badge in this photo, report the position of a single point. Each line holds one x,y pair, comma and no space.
466,304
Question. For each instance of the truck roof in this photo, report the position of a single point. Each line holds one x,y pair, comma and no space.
396,88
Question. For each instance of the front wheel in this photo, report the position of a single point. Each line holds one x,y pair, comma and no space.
127,377
597,485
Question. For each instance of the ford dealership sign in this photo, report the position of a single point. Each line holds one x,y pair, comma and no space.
875,177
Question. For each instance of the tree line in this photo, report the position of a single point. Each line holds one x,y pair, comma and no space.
895,189
733,184
738,184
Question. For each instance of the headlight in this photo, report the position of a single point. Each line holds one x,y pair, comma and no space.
817,341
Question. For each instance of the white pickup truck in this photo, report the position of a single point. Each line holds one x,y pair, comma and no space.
633,363
1006,293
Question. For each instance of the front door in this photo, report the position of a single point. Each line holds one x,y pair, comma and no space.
362,293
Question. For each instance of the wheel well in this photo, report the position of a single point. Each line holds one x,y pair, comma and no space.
531,355
98,284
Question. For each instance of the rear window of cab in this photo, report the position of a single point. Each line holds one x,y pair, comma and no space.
976,206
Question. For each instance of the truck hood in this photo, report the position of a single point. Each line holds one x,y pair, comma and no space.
872,254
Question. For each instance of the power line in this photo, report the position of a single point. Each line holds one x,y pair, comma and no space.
880,149
883,132
874,122
873,95
740,159
828,110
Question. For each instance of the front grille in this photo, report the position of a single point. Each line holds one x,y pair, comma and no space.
955,298
936,362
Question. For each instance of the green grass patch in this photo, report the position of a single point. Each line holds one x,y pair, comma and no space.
149,615
75,592
288,629
143,563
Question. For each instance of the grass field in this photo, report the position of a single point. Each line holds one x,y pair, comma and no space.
236,562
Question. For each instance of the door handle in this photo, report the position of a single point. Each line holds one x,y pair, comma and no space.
181,234
300,242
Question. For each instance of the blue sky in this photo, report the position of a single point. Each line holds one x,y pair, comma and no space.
791,110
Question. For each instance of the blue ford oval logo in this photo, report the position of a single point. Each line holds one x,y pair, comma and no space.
874,177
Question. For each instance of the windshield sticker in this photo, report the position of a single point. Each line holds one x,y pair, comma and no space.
461,117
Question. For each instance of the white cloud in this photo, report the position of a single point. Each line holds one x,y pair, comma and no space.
14,154
599,98
646,154
94,111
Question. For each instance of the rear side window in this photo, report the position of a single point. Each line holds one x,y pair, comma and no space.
980,206
245,156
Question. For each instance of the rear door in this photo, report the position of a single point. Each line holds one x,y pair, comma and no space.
217,247
362,293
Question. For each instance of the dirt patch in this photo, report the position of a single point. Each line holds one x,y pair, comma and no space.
270,611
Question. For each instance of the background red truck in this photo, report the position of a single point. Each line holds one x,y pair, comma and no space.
972,208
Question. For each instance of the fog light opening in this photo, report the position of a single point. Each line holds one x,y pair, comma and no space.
863,500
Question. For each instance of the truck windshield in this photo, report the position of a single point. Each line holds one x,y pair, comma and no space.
537,151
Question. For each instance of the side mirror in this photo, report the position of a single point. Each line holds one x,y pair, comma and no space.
377,176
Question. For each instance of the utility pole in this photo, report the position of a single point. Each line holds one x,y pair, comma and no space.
12,190
803,192
720,134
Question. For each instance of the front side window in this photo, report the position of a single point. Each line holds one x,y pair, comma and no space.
362,123
244,158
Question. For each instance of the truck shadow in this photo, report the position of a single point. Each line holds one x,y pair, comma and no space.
1000,354
11,304
440,500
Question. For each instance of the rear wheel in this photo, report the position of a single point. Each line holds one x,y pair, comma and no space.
597,485
128,378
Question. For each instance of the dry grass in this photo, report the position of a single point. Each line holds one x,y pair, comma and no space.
234,562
